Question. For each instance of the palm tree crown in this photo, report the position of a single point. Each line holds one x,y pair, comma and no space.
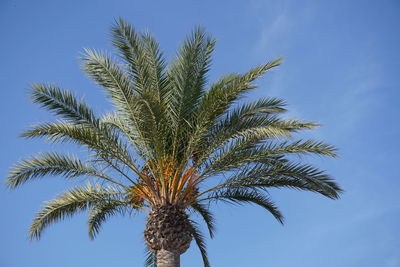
170,135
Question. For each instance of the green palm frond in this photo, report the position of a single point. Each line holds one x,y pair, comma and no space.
247,151
146,68
262,106
81,126
293,175
106,144
299,147
234,156
63,103
156,66
100,212
249,133
188,75
113,122
51,163
140,112
62,131
246,195
141,53
76,112
238,119
110,76
200,242
217,100
207,216
295,125
151,258
70,203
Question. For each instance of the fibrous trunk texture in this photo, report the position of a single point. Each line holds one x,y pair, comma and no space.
168,228
166,258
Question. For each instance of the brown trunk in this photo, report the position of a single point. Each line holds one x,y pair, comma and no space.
168,258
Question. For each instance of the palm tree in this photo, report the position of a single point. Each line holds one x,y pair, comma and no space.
173,145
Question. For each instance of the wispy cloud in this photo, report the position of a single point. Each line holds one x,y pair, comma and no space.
359,92
277,23
354,86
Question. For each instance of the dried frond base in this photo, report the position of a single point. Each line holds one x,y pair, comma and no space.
168,228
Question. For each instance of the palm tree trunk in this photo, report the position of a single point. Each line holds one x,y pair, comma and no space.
168,258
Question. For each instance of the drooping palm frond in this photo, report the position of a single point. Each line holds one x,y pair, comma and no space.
207,216
52,163
101,141
151,258
292,175
101,211
105,149
69,203
199,239
240,153
243,195
81,125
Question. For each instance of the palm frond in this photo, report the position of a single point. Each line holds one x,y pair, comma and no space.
141,52
51,163
247,150
235,155
227,90
293,175
141,112
68,204
62,131
106,144
151,259
113,122
156,64
300,147
63,103
102,69
220,97
243,195
207,216
146,66
249,130
80,118
187,74
100,212
199,239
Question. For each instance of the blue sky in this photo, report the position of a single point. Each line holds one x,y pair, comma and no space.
341,69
